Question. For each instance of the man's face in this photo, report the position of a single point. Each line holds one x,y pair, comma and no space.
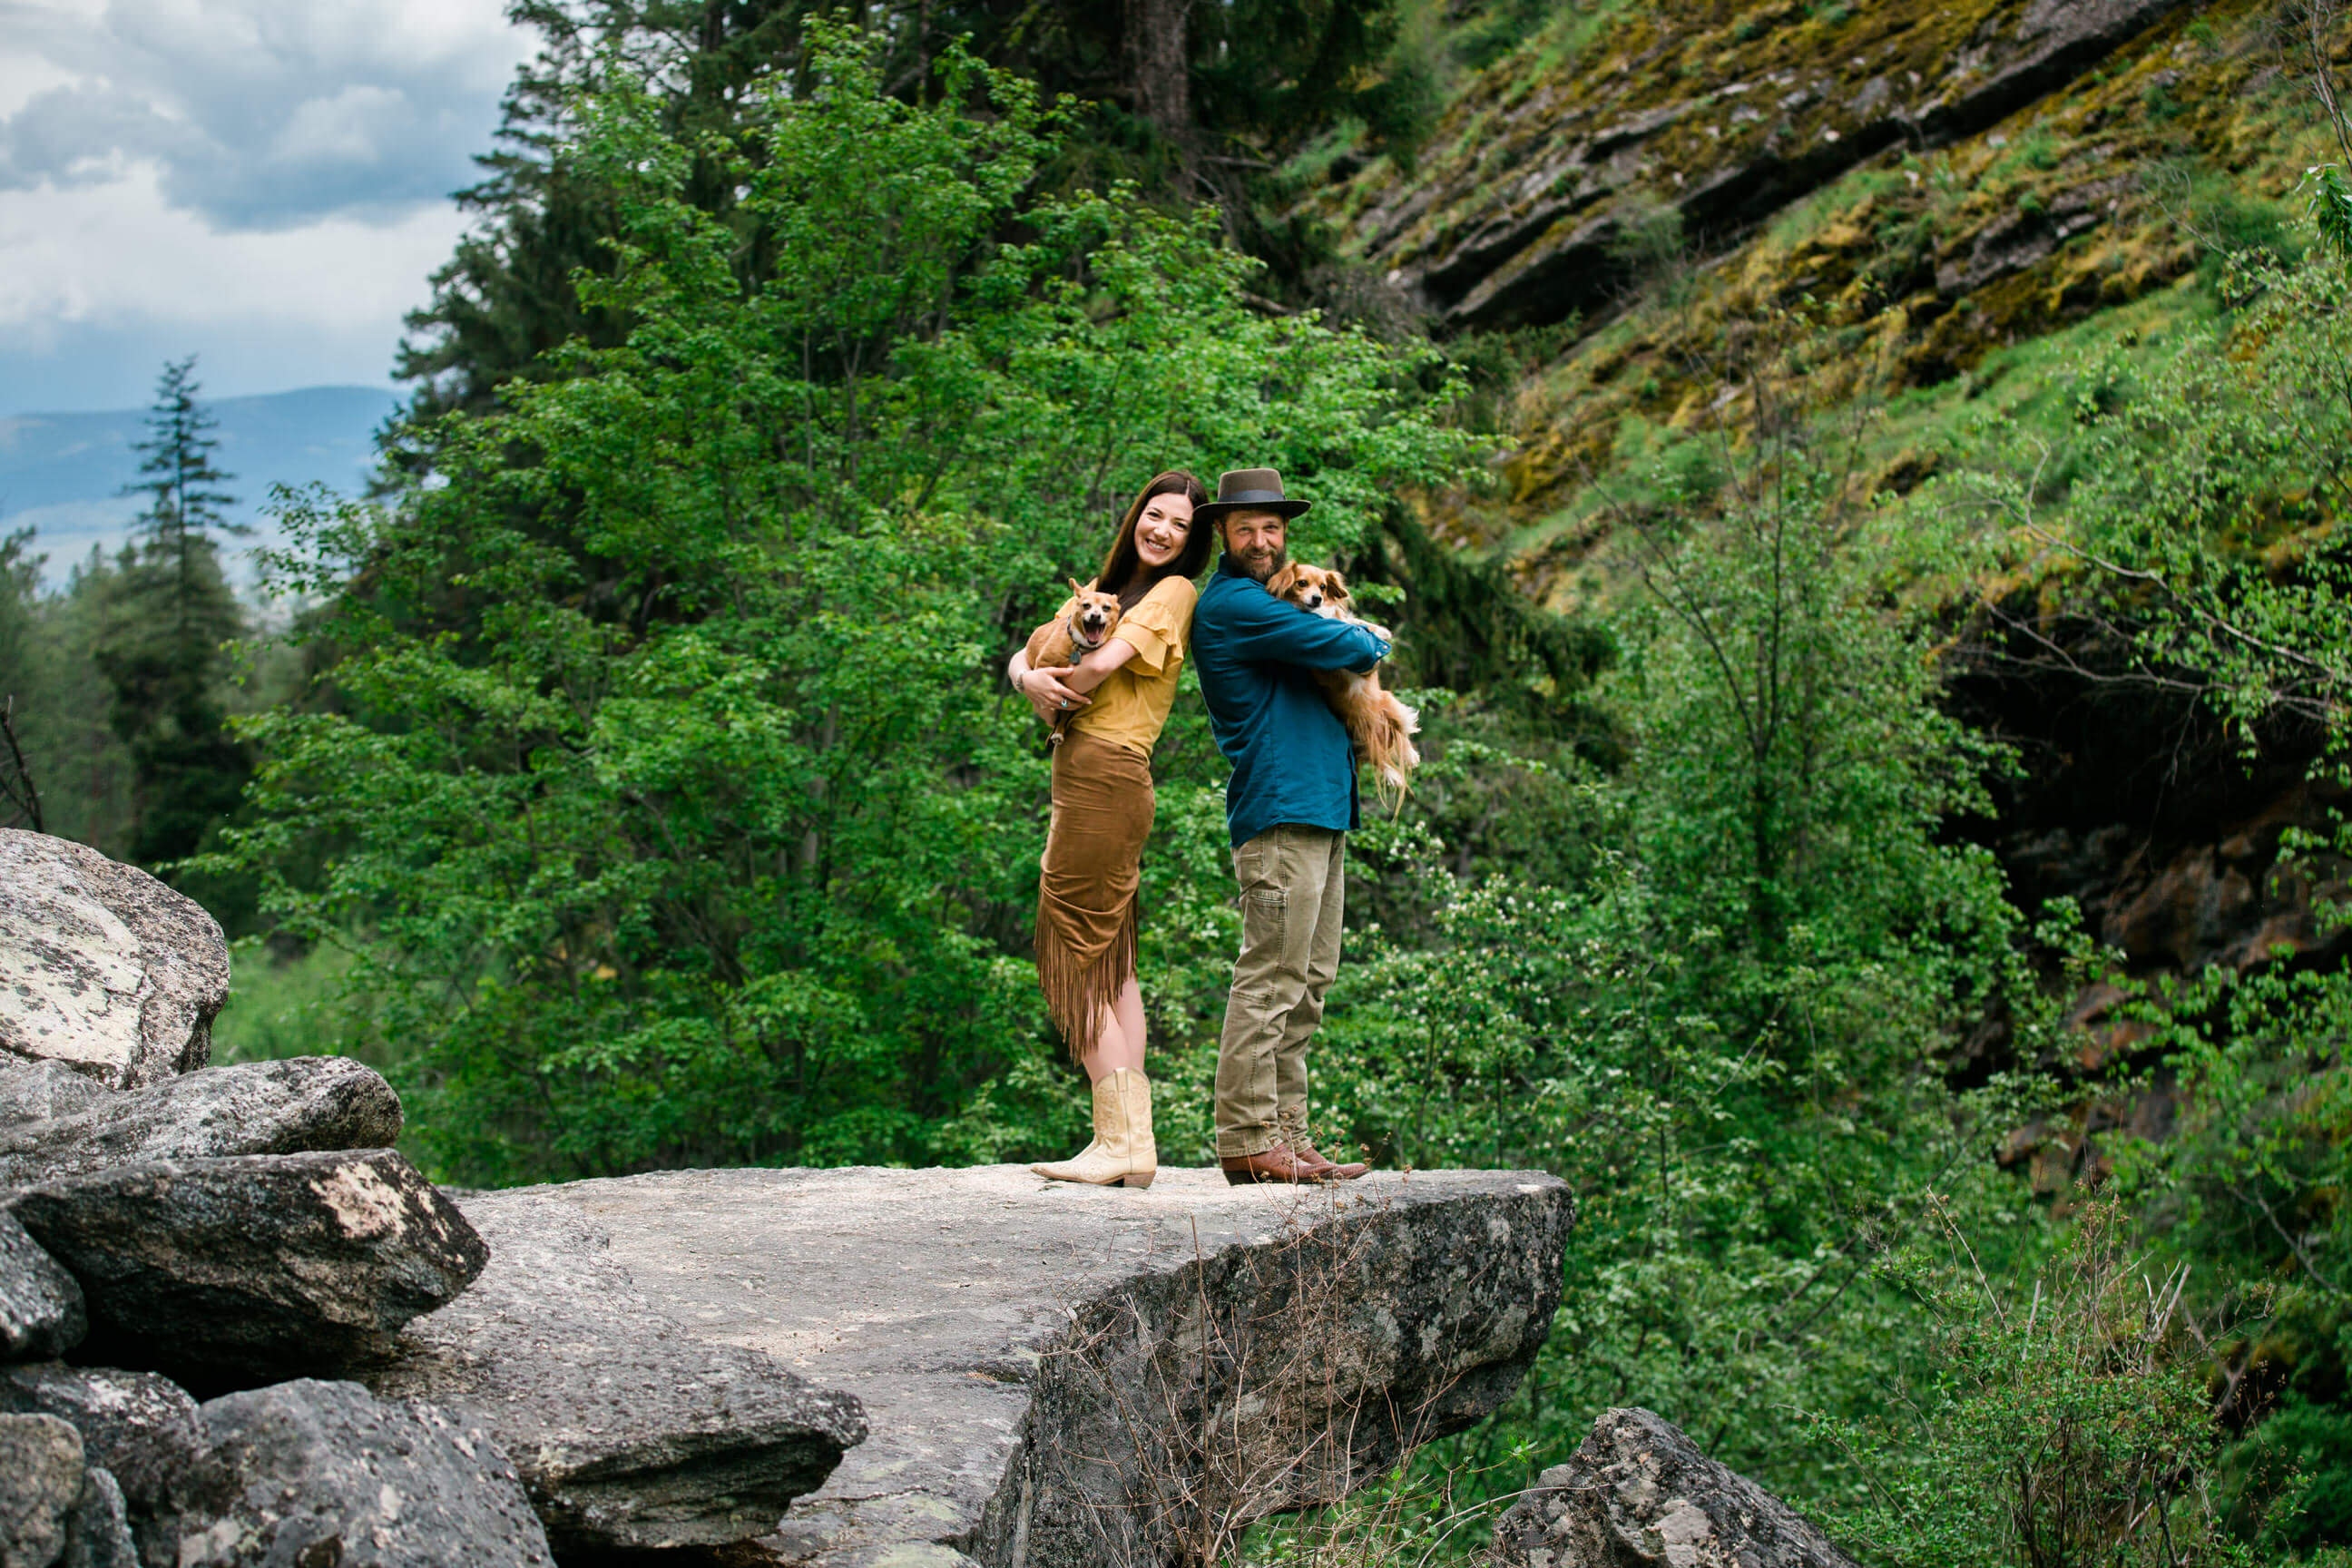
1254,541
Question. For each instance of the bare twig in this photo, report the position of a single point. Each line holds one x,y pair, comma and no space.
16,783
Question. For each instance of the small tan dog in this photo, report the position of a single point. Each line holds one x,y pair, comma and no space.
1381,727
1093,616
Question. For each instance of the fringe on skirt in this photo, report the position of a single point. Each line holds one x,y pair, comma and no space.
1086,915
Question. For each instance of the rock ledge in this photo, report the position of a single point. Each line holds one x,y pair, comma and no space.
1057,1375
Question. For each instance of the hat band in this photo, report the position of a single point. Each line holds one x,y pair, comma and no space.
1253,498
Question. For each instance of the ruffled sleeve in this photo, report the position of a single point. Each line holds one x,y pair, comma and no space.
1158,626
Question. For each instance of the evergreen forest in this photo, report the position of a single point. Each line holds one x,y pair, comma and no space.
1862,489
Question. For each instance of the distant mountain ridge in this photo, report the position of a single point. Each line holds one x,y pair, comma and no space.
62,474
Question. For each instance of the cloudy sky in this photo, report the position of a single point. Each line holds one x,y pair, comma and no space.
262,183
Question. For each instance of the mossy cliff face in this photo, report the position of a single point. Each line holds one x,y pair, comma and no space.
1720,115
1933,186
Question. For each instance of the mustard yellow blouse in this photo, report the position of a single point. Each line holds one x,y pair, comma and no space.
1131,706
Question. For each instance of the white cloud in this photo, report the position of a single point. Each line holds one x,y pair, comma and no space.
24,78
105,253
376,103
263,182
348,127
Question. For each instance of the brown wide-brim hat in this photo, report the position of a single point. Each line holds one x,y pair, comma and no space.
1249,490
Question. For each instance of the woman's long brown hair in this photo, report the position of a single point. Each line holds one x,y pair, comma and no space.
1123,571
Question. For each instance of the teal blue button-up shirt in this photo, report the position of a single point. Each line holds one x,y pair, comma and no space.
1256,656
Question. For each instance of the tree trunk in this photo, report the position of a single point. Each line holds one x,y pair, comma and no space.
1159,69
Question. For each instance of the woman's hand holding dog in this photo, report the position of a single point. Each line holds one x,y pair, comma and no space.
1048,696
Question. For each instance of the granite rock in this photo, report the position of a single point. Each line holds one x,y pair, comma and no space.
1036,1360
289,1107
628,1431
98,1530
41,1091
41,1479
308,1473
41,1311
101,966
1639,1493
143,1429
224,1273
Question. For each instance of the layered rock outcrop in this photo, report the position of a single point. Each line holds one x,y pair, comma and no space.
308,1472
630,1432
1057,1375
839,1368
54,1122
1637,1493
142,1429
226,1272
1721,117
219,1224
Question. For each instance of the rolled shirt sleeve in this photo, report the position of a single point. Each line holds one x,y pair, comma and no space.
1266,630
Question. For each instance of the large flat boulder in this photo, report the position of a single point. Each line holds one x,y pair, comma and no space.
101,966
142,1429
41,1311
1639,1492
294,1106
630,1432
306,1473
1059,1375
226,1273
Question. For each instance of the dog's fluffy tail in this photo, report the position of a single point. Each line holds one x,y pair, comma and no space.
1390,748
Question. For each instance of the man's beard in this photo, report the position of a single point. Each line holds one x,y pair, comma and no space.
1273,562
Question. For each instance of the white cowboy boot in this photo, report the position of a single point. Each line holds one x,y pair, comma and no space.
1104,1160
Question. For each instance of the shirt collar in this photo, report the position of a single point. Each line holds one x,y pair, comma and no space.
1229,567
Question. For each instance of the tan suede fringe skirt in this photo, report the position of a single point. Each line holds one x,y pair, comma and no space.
1087,895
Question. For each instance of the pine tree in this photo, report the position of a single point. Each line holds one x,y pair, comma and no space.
169,617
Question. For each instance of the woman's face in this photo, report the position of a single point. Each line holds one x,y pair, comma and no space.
1161,530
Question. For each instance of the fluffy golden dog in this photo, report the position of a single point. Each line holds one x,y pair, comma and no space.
1058,644
1381,727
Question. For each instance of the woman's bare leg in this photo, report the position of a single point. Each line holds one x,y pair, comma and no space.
1118,1036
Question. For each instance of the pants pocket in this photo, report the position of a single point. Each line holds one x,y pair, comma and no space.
1265,912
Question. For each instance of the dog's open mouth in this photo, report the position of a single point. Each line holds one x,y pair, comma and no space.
1091,630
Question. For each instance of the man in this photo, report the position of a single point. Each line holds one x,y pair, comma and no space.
1288,810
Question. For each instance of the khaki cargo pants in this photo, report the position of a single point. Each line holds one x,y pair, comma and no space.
1294,892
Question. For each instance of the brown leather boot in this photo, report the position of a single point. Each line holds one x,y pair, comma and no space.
1302,1143
1276,1164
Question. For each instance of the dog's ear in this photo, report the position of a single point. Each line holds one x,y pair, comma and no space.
1075,592
1282,582
1335,586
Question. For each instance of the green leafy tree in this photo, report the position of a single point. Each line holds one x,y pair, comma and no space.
674,812
2193,516
169,618
1188,100
1728,1025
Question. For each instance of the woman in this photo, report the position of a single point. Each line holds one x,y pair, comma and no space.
1117,700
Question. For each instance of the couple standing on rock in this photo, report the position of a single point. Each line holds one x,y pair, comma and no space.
1288,808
